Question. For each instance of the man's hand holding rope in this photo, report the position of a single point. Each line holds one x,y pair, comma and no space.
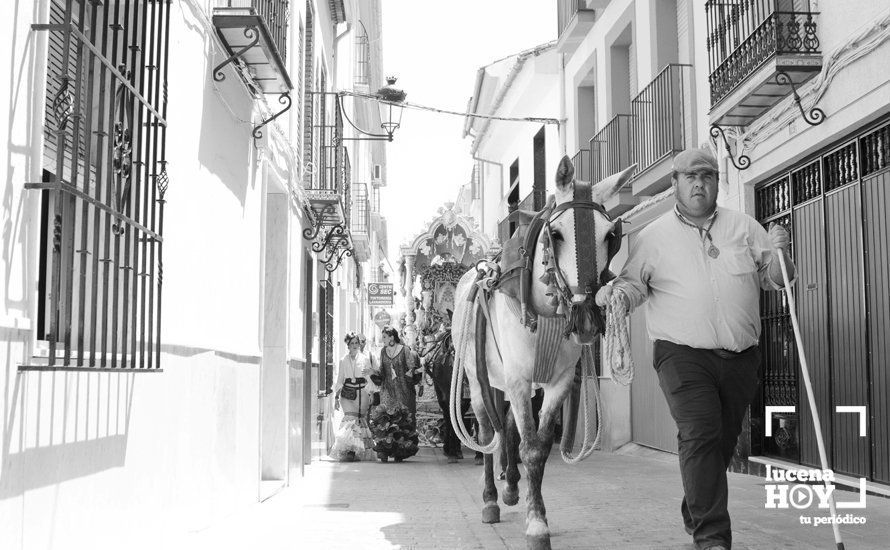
604,296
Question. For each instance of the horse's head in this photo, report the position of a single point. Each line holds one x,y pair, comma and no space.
575,246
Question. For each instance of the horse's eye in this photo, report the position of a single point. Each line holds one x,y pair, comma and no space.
557,236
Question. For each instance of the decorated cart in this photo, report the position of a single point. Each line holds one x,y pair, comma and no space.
431,266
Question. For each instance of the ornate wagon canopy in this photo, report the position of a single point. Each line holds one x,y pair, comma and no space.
451,237
431,265
450,245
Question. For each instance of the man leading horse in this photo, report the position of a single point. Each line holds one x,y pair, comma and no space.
700,268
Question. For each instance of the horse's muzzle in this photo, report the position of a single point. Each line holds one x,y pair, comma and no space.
585,322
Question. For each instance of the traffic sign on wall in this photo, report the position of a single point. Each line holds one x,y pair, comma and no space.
382,318
380,294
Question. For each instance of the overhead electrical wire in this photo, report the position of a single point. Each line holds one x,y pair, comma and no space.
408,105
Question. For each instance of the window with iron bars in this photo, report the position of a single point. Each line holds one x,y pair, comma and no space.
476,181
310,105
326,340
360,214
375,199
362,57
102,195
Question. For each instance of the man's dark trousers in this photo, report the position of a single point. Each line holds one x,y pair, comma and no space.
708,393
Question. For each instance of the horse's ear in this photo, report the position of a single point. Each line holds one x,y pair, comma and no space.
565,173
605,189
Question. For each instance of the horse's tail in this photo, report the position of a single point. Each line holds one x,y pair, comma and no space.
461,331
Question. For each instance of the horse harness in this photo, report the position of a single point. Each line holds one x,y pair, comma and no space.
511,272
439,346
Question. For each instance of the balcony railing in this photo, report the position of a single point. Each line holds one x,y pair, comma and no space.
361,212
574,21
662,116
328,134
362,58
528,203
743,34
345,176
581,161
375,199
566,10
275,14
327,182
611,149
360,221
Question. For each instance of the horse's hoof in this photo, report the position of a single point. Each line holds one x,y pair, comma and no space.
491,513
537,542
511,495
452,459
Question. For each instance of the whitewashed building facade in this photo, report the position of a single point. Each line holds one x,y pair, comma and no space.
645,79
167,328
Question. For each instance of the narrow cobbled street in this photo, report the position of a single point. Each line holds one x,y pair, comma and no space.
625,500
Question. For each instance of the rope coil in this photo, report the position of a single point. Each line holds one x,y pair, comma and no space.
616,341
457,376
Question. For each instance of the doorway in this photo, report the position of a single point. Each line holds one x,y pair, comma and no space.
274,365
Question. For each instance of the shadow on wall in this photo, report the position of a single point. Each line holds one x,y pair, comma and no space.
59,426
21,110
226,142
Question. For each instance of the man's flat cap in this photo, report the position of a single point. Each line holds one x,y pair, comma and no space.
694,160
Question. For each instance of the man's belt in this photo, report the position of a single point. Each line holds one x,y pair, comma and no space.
728,354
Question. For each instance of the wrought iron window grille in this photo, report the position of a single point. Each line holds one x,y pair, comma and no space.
785,199
100,263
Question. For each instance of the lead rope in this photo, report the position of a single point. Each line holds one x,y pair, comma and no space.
587,373
457,376
616,342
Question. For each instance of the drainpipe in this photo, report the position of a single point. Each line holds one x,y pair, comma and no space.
562,102
337,38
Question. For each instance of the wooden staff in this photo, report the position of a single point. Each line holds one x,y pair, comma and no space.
823,458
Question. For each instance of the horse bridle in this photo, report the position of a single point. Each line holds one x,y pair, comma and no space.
585,236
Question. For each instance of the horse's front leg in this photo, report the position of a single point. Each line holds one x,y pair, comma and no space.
534,450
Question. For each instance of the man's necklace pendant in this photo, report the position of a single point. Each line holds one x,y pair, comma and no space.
713,251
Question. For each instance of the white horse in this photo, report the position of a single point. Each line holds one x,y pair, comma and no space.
568,264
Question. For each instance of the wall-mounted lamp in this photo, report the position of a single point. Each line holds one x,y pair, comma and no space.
389,101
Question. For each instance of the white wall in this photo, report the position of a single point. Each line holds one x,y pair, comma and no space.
535,92
152,455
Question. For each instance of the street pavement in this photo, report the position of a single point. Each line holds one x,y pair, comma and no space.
629,500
